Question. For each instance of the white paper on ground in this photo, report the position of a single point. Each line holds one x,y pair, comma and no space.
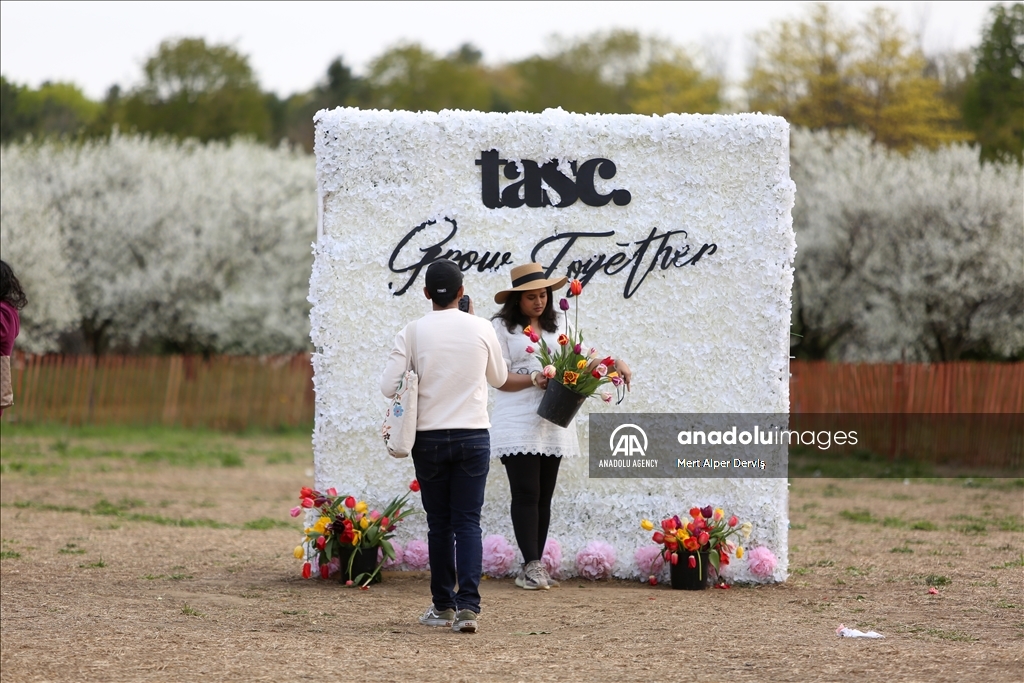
844,632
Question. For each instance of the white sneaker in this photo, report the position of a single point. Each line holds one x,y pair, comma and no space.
551,583
531,577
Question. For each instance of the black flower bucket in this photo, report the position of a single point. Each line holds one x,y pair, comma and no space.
559,404
687,578
363,564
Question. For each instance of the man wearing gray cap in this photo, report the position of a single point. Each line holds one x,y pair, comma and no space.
456,356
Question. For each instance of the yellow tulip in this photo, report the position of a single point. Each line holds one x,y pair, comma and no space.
361,506
646,524
364,522
719,514
746,529
299,553
321,525
739,553
580,364
356,537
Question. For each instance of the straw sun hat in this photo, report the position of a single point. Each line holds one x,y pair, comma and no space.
527,277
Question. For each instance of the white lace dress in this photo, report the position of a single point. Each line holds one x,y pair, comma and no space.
515,425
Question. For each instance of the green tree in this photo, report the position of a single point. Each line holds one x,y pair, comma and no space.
896,101
615,72
675,87
53,109
191,89
801,71
413,78
292,118
819,74
993,106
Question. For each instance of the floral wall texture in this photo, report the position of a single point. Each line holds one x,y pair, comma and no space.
680,227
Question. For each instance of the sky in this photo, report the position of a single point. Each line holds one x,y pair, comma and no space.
290,44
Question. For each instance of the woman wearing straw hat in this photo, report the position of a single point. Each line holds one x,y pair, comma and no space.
530,447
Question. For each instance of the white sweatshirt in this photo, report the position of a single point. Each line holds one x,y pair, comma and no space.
457,355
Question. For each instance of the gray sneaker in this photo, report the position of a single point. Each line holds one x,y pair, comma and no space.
551,583
531,577
465,621
434,618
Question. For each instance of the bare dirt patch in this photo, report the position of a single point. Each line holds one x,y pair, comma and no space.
101,582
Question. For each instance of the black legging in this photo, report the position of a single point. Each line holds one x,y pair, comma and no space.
532,481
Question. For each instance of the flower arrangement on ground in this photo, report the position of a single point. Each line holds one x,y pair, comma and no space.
346,525
707,530
573,365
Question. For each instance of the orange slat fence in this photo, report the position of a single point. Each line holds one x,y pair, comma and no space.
222,392
236,392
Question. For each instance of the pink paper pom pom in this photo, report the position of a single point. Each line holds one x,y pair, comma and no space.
399,556
498,555
649,560
552,557
417,555
595,560
761,562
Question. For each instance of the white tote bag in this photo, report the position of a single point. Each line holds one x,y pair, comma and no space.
399,430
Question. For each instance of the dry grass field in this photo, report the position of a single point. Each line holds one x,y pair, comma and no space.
165,555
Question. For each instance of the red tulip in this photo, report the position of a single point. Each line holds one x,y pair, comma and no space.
306,492
653,580
575,287
671,543
695,512
668,524
350,502
384,521
690,543
675,559
608,362
321,542
723,559
325,571
414,486
595,374
692,562
658,537
733,521
535,337
307,570
667,555
307,502
703,538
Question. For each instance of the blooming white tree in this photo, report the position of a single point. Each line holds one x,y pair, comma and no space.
918,256
31,243
180,246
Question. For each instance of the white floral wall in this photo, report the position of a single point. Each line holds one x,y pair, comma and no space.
707,337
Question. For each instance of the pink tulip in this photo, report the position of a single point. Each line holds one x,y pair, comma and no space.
332,491
296,511
307,502
549,371
529,349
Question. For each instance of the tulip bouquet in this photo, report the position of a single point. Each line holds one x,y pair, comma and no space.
573,365
344,523
706,530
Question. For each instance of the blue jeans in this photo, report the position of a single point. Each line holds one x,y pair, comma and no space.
451,466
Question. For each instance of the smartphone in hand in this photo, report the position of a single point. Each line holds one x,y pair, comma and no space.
464,303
